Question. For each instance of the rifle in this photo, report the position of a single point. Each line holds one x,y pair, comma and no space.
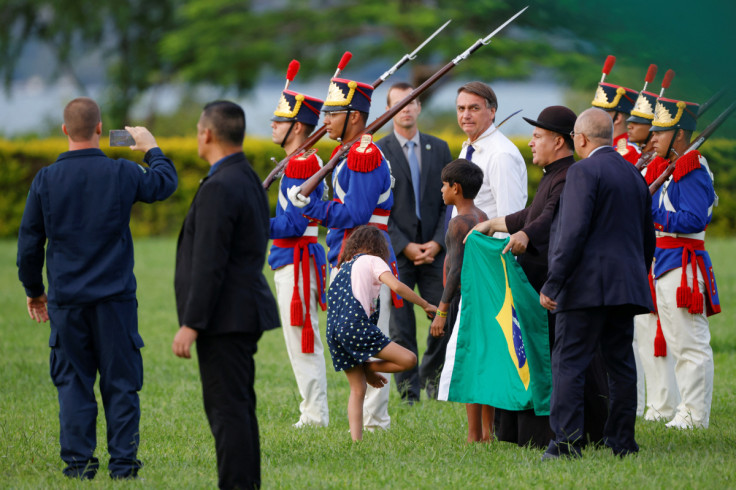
707,132
314,180
317,135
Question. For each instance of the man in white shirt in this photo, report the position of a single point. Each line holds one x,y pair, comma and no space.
504,189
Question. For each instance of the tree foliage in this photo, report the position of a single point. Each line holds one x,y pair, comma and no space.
231,43
126,34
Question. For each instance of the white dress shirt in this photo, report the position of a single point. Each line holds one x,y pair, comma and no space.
504,188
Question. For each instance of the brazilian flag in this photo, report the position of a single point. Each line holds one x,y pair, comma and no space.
498,353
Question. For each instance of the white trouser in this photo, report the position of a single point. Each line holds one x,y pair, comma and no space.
659,372
688,339
375,406
640,383
309,369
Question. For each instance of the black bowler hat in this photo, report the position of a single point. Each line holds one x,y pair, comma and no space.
557,118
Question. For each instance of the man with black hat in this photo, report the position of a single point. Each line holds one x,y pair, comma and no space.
362,195
618,102
298,259
685,284
552,150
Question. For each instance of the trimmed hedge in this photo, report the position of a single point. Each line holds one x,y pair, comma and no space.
20,160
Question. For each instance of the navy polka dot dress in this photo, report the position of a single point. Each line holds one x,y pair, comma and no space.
352,337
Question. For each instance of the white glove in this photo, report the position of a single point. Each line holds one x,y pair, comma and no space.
297,199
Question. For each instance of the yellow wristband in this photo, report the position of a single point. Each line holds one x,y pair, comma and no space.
441,314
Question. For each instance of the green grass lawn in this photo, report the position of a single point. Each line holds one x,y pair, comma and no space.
425,447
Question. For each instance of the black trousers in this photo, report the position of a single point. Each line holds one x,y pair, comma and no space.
578,334
227,369
403,330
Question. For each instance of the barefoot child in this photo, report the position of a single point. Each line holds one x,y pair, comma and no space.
461,181
352,312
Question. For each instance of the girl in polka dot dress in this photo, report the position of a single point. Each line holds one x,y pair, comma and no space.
352,312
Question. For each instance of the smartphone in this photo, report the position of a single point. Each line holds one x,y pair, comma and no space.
120,137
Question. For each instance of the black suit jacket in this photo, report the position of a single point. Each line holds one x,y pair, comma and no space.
219,281
403,222
602,241
536,221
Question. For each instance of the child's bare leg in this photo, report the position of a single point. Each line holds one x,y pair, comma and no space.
393,359
356,378
487,414
475,425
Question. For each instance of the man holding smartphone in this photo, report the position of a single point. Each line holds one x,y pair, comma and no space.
79,209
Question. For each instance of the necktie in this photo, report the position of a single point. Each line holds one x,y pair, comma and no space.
415,175
469,153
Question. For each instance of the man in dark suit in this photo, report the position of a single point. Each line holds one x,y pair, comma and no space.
552,150
600,250
222,298
417,232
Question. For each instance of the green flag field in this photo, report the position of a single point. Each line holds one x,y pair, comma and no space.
425,447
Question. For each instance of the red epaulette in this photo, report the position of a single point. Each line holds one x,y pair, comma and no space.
632,155
302,166
686,163
334,152
364,156
655,169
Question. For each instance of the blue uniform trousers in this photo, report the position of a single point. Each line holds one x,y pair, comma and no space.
84,340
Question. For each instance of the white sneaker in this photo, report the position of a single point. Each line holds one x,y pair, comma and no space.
654,416
679,423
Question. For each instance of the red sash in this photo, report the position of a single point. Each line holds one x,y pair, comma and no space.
692,299
301,257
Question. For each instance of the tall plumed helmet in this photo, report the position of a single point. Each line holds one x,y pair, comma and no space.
294,106
612,97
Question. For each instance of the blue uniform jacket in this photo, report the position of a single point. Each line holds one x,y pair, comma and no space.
289,223
684,205
81,204
692,198
356,195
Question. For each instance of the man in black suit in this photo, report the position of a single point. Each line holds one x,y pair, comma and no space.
417,232
222,298
600,250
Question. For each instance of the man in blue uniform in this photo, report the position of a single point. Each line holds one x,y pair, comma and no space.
79,207
362,195
686,291
298,259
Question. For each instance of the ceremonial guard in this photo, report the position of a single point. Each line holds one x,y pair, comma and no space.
686,291
298,259
361,185
641,117
618,102
655,369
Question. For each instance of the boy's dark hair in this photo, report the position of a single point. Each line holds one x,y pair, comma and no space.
365,239
227,121
465,173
